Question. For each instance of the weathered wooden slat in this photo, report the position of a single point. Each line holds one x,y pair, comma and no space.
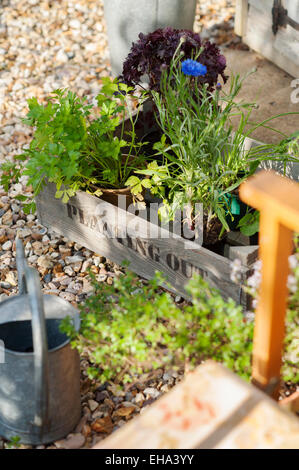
241,17
211,409
264,7
246,254
256,21
119,235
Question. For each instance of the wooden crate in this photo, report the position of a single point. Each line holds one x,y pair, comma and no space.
119,235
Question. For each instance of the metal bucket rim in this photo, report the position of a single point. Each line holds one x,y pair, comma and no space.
74,315
28,354
73,312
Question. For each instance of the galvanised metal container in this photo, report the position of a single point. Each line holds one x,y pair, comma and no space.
40,376
125,19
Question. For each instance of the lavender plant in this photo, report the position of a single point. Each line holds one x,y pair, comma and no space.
203,156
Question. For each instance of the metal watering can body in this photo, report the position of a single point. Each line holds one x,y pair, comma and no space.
40,376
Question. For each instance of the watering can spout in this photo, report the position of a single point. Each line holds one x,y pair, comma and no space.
20,259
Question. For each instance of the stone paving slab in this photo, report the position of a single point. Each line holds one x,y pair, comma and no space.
210,409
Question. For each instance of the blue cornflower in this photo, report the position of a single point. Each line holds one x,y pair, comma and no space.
194,68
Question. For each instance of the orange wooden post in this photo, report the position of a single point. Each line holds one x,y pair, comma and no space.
277,199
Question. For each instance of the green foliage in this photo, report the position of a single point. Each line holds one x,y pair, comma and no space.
249,224
203,156
13,443
130,327
74,149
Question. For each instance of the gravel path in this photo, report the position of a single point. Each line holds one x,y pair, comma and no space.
215,21
44,45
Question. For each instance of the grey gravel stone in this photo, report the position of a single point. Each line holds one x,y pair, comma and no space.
73,441
5,285
7,245
73,259
93,405
48,277
151,392
69,271
67,296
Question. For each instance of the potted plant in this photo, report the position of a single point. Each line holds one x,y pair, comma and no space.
201,157
152,54
198,158
144,15
79,147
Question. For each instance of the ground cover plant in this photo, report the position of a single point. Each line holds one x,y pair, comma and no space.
130,328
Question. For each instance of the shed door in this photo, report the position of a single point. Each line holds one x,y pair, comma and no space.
254,22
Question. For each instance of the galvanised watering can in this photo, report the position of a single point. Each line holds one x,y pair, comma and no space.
40,375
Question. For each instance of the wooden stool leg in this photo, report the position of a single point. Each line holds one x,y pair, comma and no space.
275,248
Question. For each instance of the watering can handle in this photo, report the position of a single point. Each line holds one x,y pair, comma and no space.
21,263
29,283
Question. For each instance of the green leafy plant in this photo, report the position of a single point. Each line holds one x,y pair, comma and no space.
203,156
13,443
130,327
249,224
76,149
